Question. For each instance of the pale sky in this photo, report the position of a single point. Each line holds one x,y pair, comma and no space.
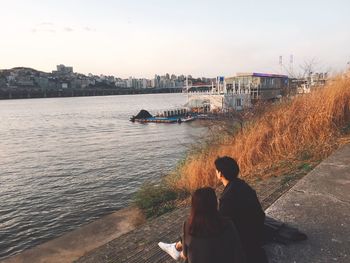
201,38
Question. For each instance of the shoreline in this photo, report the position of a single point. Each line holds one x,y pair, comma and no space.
82,241
74,244
39,94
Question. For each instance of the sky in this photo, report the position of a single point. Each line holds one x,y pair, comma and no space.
197,37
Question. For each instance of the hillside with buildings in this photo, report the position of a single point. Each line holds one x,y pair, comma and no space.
22,82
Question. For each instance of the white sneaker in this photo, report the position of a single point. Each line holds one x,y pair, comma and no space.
170,249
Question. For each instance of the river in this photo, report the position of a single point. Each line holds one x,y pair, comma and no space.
65,162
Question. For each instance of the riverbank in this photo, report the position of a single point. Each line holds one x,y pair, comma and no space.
128,228
116,235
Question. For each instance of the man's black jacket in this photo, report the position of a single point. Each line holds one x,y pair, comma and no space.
240,203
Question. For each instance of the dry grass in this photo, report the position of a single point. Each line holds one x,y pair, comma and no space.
306,128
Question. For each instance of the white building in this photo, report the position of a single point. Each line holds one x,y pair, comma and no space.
216,97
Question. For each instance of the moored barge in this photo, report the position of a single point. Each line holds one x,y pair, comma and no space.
170,116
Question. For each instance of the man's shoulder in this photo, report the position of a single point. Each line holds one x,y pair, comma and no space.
243,183
239,185
238,189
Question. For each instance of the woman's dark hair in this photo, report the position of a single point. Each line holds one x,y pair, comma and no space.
205,219
228,167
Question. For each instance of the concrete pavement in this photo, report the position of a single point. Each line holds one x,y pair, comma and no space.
319,205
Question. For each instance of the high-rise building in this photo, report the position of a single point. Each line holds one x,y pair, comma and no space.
129,83
63,70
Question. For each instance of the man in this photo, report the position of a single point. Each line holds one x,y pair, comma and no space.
238,202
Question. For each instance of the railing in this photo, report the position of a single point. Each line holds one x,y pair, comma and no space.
245,91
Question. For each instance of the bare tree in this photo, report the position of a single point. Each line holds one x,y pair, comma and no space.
307,68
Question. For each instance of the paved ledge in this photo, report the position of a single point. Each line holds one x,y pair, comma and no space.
319,205
75,244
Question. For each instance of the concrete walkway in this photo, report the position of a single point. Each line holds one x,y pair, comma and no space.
319,205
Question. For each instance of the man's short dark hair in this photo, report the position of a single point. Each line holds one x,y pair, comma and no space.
228,167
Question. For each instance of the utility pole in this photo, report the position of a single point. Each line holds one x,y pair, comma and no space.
291,61
187,88
281,64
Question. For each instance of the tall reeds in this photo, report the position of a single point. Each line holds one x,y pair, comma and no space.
305,127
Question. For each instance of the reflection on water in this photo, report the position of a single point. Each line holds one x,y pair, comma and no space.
67,161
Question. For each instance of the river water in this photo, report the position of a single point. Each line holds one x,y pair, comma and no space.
68,161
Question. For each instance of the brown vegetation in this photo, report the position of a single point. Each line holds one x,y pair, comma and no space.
306,128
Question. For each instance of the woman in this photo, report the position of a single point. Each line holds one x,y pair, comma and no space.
207,236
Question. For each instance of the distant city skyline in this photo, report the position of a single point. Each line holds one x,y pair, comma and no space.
198,38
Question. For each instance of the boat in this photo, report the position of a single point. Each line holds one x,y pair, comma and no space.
145,117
